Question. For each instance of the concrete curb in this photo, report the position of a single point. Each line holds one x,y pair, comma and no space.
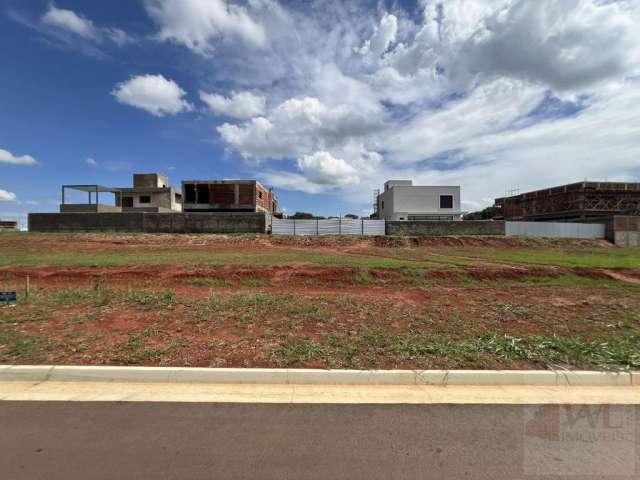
28,373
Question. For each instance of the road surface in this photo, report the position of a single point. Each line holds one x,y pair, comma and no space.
146,440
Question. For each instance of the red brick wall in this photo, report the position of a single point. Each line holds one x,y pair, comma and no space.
223,193
267,199
245,194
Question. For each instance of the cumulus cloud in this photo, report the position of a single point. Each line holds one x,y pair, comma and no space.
92,162
77,24
7,196
489,94
238,105
300,126
199,24
564,45
10,158
383,37
323,169
154,94
550,42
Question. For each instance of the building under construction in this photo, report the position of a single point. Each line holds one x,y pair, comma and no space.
583,201
228,196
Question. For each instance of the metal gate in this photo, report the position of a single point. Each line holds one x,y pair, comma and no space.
338,226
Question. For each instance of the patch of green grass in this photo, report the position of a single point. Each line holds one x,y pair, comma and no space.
558,256
15,347
292,352
209,258
145,355
615,352
153,300
364,277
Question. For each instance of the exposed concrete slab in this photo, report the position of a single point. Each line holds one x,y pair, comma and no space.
266,376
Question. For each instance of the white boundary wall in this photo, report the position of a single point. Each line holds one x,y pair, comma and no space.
556,230
336,226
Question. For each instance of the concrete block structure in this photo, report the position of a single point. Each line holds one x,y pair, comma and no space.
624,231
403,201
150,193
445,228
582,201
8,225
151,222
228,196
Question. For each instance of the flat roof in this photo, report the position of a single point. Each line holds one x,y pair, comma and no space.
577,187
92,188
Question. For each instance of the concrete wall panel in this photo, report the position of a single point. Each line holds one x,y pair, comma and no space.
240,222
443,229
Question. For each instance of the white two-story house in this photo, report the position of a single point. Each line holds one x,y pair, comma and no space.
403,201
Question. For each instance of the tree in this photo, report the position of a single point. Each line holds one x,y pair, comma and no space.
486,214
351,216
302,216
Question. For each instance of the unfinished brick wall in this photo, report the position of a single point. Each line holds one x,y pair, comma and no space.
246,193
222,193
266,199
228,195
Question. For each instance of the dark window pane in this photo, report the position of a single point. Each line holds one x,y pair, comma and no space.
190,193
446,201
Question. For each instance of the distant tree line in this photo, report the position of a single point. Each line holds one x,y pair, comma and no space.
311,216
486,214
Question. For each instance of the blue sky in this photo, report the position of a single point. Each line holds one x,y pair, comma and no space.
322,100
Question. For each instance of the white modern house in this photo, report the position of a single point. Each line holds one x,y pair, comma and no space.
403,201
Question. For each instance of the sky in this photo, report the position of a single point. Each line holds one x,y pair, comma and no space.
322,100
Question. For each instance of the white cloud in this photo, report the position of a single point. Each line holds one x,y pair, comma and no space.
200,24
7,196
154,94
238,105
77,24
323,169
110,166
489,94
558,44
383,37
291,181
300,126
69,20
8,157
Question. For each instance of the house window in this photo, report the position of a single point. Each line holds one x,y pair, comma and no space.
203,193
145,199
259,194
382,205
190,193
446,201
127,202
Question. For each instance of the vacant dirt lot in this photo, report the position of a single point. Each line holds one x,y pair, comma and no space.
339,302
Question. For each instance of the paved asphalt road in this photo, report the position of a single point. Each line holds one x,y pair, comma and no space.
73,441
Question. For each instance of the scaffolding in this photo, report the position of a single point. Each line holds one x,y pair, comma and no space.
575,201
376,194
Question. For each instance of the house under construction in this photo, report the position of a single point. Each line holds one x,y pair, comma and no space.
583,201
228,196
